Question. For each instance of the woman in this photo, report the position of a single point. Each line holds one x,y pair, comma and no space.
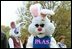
61,42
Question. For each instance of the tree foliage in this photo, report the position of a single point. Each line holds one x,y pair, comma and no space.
5,29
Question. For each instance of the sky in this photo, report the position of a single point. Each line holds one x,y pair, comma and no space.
8,11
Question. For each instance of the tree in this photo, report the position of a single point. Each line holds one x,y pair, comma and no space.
5,29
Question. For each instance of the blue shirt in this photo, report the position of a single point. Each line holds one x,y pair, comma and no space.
41,42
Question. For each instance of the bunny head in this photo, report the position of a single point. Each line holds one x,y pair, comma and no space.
41,25
15,32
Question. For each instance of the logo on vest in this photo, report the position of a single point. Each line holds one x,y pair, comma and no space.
38,41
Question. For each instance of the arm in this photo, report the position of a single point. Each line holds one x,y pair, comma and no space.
21,44
30,42
11,44
53,43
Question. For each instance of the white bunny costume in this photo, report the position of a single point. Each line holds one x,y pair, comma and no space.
41,29
14,40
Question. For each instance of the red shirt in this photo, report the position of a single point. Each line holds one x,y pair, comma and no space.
16,44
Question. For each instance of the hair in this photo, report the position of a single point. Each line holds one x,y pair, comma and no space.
61,37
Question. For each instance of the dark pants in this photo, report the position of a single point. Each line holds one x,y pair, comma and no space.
4,41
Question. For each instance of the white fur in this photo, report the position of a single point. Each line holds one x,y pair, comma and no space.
13,34
53,43
40,10
16,36
30,42
11,44
49,27
18,29
47,11
34,7
47,30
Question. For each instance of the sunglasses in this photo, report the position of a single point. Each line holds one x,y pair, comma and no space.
41,25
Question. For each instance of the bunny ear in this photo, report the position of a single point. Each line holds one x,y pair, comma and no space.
47,11
35,9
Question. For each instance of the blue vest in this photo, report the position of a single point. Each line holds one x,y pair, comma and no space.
41,42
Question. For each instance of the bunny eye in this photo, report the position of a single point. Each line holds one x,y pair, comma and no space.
42,25
15,31
36,25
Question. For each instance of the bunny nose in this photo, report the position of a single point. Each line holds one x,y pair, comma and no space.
39,29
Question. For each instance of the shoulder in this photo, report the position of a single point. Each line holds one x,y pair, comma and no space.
52,38
10,41
31,37
53,43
